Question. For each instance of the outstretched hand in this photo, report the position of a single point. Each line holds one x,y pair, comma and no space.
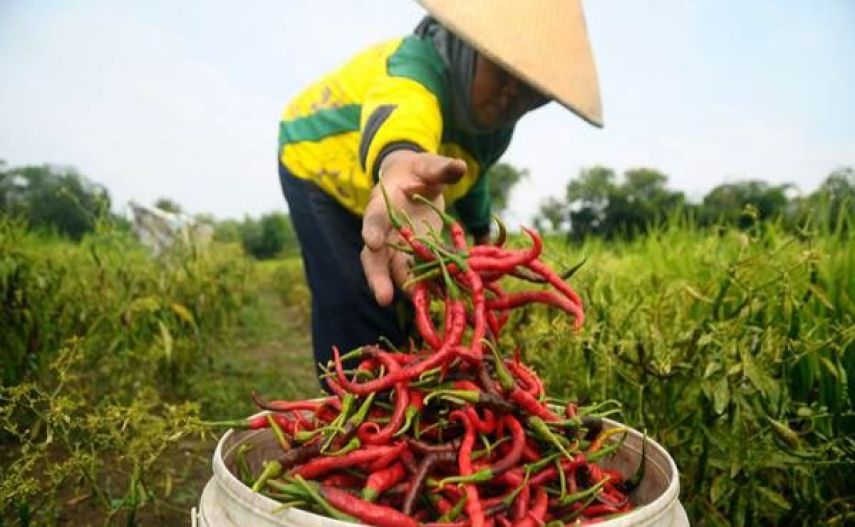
404,174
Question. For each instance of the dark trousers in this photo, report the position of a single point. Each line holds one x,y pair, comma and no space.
344,311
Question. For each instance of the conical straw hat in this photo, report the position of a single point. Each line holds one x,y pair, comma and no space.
543,42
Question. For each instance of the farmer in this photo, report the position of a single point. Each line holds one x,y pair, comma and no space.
428,114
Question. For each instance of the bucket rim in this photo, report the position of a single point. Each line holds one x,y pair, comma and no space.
265,506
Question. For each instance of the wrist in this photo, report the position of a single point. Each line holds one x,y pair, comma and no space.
395,153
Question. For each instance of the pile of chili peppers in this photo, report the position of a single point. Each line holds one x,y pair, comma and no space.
451,432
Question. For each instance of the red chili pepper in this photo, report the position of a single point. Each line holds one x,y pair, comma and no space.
334,387
301,419
571,410
489,250
451,491
479,307
550,298
600,509
421,303
530,405
393,455
403,358
612,496
367,365
458,324
327,414
442,505
342,479
322,465
520,507
402,400
493,324
540,268
464,463
496,321
258,422
533,384
448,316
380,481
483,426
420,515
517,446
370,513
418,247
485,258
534,517
458,235
406,373
287,406
413,409
530,452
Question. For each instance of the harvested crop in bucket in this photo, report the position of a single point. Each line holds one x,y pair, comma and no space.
454,431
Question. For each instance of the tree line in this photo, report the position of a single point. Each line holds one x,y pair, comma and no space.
598,203
595,203
60,200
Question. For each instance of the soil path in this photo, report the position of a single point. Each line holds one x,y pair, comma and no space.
270,353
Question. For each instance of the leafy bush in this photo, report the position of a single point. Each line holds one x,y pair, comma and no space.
734,350
102,344
67,449
289,280
109,291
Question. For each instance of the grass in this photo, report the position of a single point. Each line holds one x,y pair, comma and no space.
269,351
734,350
110,359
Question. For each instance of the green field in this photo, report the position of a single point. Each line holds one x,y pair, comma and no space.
732,348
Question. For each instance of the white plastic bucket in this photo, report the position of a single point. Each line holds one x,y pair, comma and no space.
226,502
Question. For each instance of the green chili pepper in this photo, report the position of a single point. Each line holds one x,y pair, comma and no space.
540,428
272,469
456,510
582,494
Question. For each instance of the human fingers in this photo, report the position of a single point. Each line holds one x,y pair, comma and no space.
434,169
376,223
375,264
399,264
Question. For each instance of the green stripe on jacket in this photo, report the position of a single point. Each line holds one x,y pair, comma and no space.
321,124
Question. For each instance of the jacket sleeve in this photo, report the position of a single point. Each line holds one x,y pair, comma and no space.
398,113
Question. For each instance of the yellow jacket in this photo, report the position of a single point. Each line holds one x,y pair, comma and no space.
392,95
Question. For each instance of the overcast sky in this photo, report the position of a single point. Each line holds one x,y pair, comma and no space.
182,99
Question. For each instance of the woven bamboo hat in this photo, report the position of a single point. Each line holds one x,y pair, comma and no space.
543,42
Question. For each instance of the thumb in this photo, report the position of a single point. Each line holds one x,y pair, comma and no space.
435,169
